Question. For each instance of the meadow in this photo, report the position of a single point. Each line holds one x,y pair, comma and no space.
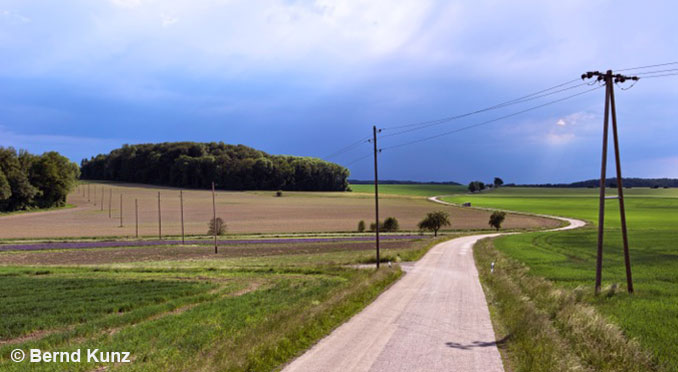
190,310
567,259
244,212
411,189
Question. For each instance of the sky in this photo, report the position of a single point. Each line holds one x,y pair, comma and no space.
309,78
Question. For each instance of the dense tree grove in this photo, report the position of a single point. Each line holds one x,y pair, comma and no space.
197,165
34,181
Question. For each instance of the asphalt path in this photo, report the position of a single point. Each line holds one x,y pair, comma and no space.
433,319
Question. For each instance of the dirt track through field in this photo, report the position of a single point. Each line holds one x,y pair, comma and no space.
434,319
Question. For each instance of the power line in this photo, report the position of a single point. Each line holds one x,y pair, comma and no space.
493,107
657,71
489,121
515,102
347,148
648,66
657,76
359,159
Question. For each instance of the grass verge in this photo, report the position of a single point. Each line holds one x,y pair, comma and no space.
546,328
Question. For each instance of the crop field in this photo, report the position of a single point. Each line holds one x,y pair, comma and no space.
186,308
253,306
567,259
243,212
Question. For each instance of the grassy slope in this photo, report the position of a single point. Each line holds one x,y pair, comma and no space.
568,258
179,319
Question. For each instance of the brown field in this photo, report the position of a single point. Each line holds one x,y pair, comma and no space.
98,256
243,212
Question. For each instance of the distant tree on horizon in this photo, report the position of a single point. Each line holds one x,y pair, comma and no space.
476,186
498,182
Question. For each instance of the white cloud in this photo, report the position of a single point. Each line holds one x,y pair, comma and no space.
129,4
168,20
13,17
561,122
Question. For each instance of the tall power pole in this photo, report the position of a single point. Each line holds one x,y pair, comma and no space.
609,79
376,188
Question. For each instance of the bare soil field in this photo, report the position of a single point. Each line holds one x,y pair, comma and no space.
243,212
175,253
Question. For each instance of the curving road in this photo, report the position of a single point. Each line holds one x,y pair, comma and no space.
433,319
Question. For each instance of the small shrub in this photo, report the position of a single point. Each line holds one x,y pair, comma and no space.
391,224
496,219
278,193
361,226
217,225
373,226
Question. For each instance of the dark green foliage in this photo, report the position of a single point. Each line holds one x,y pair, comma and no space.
391,224
496,219
32,181
498,182
361,226
476,186
197,165
434,221
279,193
217,225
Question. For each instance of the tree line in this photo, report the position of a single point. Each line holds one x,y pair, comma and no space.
610,182
30,181
231,167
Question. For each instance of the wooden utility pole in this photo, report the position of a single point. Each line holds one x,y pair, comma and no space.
88,199
159,219
214,218
102,198
181,201
136,217
95,196
609,79
120,210
110,198
376,189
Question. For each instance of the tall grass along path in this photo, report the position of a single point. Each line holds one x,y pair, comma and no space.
434,319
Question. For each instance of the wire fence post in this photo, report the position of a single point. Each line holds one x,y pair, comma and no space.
159,219
110,198
181,202
121,210
214,219
136,217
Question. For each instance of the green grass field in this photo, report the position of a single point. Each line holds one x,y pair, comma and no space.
246,313
410,190
568,258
